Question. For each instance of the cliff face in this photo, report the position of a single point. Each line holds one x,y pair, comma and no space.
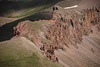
65,29
69,28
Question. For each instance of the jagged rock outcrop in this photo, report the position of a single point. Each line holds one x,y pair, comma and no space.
21,29
67,29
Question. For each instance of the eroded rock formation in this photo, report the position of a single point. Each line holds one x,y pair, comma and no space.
67,29
21,29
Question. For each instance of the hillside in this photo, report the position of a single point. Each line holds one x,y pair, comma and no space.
48,35
64,36
68,3
21,52
21,9
89,4
82,4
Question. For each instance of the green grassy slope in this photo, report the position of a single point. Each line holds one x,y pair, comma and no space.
22,9
21,52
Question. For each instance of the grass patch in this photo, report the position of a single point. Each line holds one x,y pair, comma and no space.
36,26
31,61
48,63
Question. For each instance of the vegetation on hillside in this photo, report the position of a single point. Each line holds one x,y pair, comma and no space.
20,52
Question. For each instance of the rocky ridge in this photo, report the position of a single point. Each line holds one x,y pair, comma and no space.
64,29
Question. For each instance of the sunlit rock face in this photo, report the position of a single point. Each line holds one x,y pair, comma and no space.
76,37
70,37
70,27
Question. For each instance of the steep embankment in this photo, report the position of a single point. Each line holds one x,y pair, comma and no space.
87,54
67,36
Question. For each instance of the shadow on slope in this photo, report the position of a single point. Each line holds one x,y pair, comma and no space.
7,29
9,6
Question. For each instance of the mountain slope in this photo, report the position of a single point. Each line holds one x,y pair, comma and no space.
21,52
70,37
86,4
86,56
22,9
